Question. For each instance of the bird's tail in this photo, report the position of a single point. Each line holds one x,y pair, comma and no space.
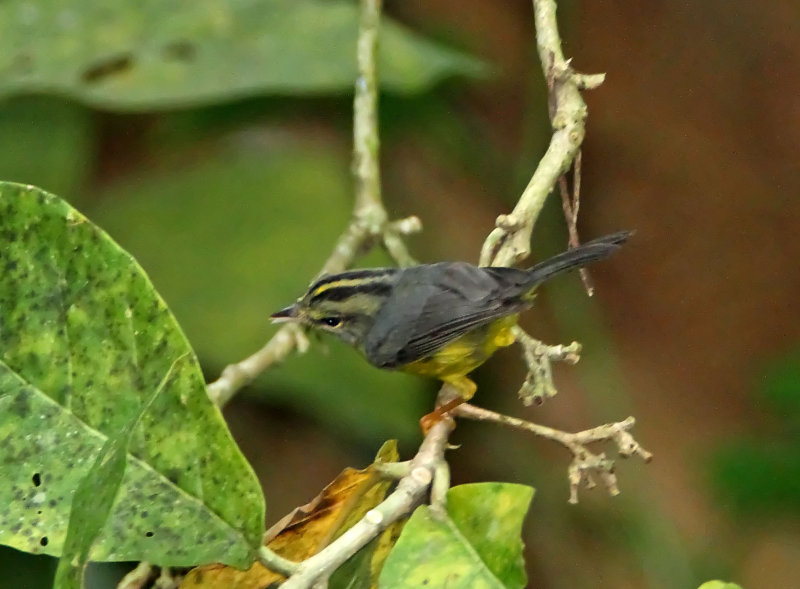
582,255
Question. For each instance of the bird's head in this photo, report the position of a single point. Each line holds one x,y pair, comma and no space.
342,304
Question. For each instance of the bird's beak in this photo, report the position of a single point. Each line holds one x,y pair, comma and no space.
285,315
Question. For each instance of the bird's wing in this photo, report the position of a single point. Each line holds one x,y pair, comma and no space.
435,304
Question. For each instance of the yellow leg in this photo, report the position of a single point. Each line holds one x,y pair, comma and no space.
463,386
465,389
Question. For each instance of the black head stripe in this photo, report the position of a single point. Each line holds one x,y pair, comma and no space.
344,292
353,275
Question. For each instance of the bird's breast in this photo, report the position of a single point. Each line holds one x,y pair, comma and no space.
466,353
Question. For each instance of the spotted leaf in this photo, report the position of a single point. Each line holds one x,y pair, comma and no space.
85,342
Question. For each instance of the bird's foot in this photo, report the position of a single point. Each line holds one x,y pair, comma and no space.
438,414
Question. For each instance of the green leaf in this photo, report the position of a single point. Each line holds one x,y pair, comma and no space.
95,496
476,545
719,585
84,341
262,222
146,54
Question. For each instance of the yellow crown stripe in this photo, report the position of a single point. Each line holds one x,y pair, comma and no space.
347,282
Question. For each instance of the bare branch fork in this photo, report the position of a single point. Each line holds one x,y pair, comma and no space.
584,462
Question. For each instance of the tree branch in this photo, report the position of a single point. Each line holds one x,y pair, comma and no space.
366,140
369,224
509,242
571,204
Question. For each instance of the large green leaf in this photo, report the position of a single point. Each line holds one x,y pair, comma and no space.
84,341
476,545
145,54
94,497
239,234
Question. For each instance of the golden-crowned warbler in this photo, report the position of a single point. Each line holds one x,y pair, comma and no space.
440,320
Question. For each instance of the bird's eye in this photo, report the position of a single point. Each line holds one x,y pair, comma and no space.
332,321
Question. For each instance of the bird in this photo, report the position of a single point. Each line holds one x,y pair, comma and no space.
439,320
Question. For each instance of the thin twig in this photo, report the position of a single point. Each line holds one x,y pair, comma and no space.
235,376
366,140
539,385
584,463
577,171
577,168
570,204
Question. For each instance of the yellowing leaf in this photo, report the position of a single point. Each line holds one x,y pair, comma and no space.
309,528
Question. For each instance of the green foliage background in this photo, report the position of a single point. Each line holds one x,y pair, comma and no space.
212,142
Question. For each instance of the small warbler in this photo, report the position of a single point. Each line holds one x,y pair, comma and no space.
440,320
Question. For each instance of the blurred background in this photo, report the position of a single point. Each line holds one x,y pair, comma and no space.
214,143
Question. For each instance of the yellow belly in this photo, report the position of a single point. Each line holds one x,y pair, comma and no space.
465,354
